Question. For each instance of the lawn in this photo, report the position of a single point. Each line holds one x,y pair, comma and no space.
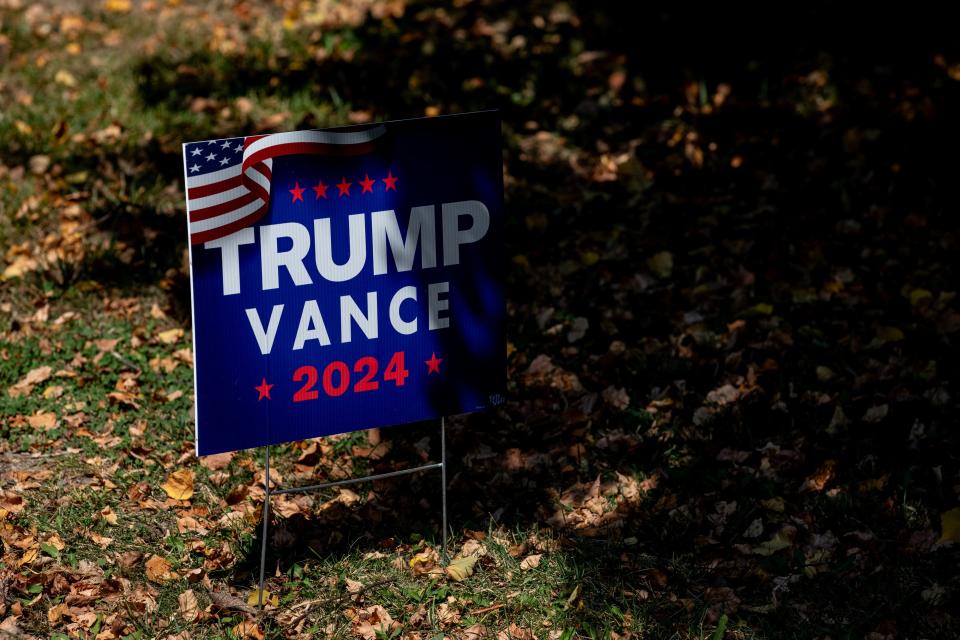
731,345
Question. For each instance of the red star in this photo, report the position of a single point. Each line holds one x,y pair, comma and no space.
390,181
264,390
367,184
297,192
321,190
344,187
433,364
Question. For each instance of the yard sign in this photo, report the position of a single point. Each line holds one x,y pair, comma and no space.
345,278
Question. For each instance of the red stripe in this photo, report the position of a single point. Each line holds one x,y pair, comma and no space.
256,187
227,229
225,207
214,188
256,161
308,148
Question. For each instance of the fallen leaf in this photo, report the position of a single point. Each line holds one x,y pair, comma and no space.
820,477
372,622
474,632
461,568
782,539
109,516
254,598
33,378
247,629
919,295
876,414
170,336
531,562
189,609
101,541
661,264
65,78
616,397
116,6
179,484
217,461
44,421
950,525
56,612
889,334
515,632
424,562
159,570
11,502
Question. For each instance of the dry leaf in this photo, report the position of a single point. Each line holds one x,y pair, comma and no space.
782,539
531,562
247,629
117,6
179,484
661,264
424,562
109,516
950,525
371,622
474,632
33,378
821,477
217,461
11,502
189,609
254,598
159,570
102,541
170,336
65,78
45,421
53,392
515,632
461,568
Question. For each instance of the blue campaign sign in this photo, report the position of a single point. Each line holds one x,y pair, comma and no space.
345,279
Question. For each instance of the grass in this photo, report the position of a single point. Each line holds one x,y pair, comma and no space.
96,101
104,455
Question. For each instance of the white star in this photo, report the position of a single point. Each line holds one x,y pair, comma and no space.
195,168
239,147
211,142
195,152
226,144
224,161
211,157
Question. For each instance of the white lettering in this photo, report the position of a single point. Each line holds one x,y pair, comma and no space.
230,257
324,253
265,338
400,325
311,326
350,311
453,236
385,231
271,258
435,305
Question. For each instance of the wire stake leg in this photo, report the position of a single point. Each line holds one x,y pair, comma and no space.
443,479
266,519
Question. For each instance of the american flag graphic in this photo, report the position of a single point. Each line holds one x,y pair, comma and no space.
228,181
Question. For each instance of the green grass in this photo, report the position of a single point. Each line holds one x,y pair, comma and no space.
562,594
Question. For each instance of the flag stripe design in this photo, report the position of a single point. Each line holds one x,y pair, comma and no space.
227,190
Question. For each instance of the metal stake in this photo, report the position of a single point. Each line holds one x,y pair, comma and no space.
443,479
266,519
442,465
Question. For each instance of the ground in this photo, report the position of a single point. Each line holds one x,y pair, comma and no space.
732,331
